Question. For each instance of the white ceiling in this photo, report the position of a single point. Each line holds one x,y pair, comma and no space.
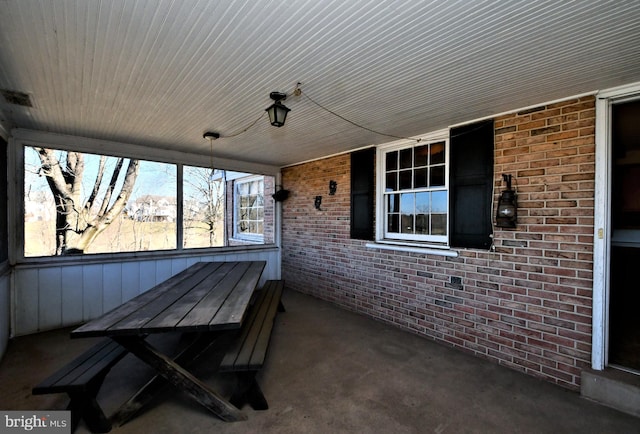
160,73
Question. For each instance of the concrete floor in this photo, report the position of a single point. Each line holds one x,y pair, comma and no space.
332,371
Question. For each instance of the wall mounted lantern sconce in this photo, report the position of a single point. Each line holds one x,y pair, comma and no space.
333,186
280,195
318,202
507,213
277,111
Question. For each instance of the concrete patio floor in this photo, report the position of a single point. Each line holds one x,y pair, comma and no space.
332,371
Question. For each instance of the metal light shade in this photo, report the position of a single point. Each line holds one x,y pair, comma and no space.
277,111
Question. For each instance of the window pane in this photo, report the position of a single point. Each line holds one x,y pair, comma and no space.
439,202
393,203
406,158
421,155
203,208
437,176
406,226
393,223
392,181
422,224
405,180
422,202
437,153
392,160
439,224
407,203
144,220
420,178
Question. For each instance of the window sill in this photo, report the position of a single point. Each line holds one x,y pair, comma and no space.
106,258
413,249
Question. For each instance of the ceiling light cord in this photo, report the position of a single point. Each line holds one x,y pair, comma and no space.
245,129
299,91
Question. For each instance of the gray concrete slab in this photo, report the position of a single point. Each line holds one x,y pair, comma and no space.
332,371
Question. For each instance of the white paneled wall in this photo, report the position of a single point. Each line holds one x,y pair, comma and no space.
54,296
5,310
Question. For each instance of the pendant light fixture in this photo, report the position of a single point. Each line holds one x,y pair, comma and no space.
277,111
211,136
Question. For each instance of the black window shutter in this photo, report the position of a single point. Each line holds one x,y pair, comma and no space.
362,190
471,185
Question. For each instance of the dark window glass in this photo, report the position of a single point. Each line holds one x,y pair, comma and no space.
392,161
406,158
421,156
420,178
437,176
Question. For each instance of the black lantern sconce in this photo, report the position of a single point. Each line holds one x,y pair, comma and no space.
507,214
317,202
280,195
333,186
277,111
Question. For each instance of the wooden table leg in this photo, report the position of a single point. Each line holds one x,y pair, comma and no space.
157,385
181,378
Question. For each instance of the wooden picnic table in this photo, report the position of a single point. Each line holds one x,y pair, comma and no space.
206,297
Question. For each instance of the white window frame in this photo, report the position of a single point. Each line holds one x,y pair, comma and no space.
437,241
236,206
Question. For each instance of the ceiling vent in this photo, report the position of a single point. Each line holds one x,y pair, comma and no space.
16,98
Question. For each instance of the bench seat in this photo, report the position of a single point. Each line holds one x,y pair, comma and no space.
81,380
247,352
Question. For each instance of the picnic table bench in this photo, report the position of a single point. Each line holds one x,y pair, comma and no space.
81,380
247,353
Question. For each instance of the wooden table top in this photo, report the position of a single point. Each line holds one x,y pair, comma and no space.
204,297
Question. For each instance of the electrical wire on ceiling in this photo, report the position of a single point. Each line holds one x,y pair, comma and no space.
298,91
244,130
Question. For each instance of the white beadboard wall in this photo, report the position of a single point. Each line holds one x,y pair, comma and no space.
54,296
5,310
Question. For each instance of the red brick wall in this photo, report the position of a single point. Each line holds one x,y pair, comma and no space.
526,305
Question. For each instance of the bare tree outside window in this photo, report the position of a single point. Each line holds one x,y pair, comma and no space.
82,201
78,221
203,207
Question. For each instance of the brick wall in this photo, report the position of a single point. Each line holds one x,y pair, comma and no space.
526,305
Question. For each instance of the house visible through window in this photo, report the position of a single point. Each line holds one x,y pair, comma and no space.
415,194
249,213
80,203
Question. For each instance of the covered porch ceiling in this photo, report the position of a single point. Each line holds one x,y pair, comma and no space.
159,73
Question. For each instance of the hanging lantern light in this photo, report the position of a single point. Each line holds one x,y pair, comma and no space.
211,136
507,213
277,111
